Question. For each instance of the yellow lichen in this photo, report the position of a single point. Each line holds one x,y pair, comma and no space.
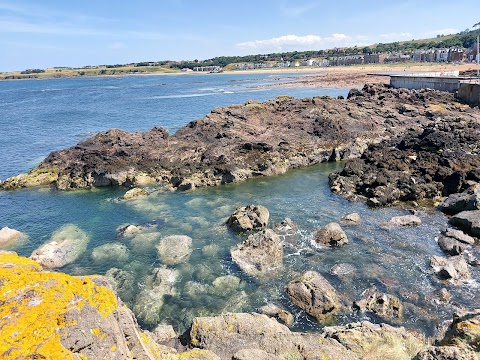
35,305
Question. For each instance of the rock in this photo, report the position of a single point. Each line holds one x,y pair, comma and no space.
10,236
384,305
286,230
150,300
164,333
468,222
228,334
128,230
377,341
454,268
405,220
450,246
261,255
134,193
123,282
351,219
257,354
226,285
459,235
331,235
282,315
343,269
211,250
314,294
439,296
464,331
251,217
174,249
110,252
51,315
465,201
64,247
446,353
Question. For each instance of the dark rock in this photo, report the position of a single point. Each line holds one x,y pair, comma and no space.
331,235
251,217
465,201
467,221
384,305
314,294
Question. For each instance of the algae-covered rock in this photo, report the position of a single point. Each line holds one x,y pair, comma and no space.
64,247
174,249
110,252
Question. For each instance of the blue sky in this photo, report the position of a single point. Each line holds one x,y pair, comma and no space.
40,34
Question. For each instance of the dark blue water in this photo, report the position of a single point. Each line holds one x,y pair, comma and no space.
40,116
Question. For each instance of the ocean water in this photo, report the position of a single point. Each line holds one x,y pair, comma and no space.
40,116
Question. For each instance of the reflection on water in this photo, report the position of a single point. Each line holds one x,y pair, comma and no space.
394,260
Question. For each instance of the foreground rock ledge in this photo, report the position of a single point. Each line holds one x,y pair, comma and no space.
241,141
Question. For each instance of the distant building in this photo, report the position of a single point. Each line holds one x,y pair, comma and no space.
455,55
442,55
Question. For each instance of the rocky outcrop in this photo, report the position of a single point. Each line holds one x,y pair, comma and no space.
314,294
331,234
64,247
254,139
464,331
251,217
383,305
261,255
174,249
134,193
467,221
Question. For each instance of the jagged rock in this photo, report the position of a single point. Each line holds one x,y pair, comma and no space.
282,315
174,249
110,252
351,219
446,353
64,247
9,236
150,300
464,331
384,305
454,268
331,235
229,333
405,220
377,341
251,217
468,222
261,255
314,294
465,201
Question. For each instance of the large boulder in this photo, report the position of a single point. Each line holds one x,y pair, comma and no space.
314,294
174,249
251,217
134,193
454,268
261,255
383,305
468,222
465,201
10,236
64,247
331,235
232,334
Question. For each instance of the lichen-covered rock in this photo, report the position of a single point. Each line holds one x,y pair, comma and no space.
279,313
110,252
331,234
174,249
9,236
464,331
64,247
468,222
228,334
314,294
404,220
446,353
261,255
251,217
454,268
383,305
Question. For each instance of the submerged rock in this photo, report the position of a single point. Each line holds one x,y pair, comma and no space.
331,234
287,231
343,269
174,249
314,294
64,247
110,252
251,217
123,282
10,236
468,222
282,315
384,305
226,285
261,255
404,220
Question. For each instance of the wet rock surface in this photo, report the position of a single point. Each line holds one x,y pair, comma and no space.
383,305
259,139
468,221
331,234
454,268
247,218
10,236
282,315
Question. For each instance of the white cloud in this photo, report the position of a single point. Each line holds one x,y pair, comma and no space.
292,42
397,36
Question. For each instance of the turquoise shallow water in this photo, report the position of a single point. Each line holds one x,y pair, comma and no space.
34,123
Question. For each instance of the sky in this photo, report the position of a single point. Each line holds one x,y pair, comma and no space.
48,33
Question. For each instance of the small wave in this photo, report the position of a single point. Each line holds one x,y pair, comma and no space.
179,96
228,92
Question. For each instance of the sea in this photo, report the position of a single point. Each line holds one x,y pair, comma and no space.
40,116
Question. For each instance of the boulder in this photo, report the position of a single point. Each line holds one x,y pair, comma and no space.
405,220
468,222
110,252
451,246
233,334
174,249
279,313
247,218
351,219
134,193
150,300
10,236
383,305
64,247
314,294
261,255
465,201
454,268
331,235
164,333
